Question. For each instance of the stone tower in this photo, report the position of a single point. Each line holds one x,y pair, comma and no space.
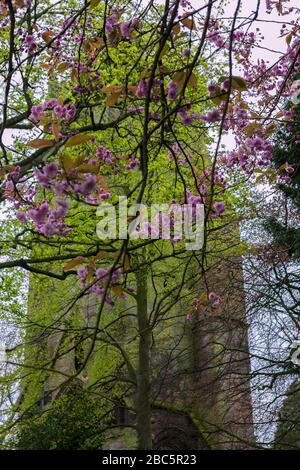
202,400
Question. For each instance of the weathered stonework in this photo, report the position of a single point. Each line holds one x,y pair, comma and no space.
203,399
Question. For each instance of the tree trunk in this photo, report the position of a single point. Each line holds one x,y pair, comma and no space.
143,405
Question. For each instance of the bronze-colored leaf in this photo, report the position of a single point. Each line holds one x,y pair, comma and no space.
112,99
132,89
77,139
239,83
90,274
74,75
176,31
40,143
251,128
127,263
113,89
67,163
193,80
117,290
48,36
288,38
88,168
92,44
63,66
74,262
101,255
19,3
164,69
179,78
56,131
189,23
80,159
102,182
44,120
218,96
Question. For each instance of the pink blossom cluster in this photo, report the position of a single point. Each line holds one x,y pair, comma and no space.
172,90
104,155
92,83
216,37
215,299
48,221
54,109
133,163
216,175
279,5
175,152
102,277
17,190
218,208
141,91
62,184
114,27
49,172
30,43
211,117
199,303
255,150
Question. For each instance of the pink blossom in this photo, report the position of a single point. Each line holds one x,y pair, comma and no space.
127,28
21,216
62,208
288,168
219,208
50,104
39,215
172,90
187,119
50,170
30,44
60,188
82,273
203,189
71,112
105,196
215,299
141,89
42,178
211,88
213,115
88,185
